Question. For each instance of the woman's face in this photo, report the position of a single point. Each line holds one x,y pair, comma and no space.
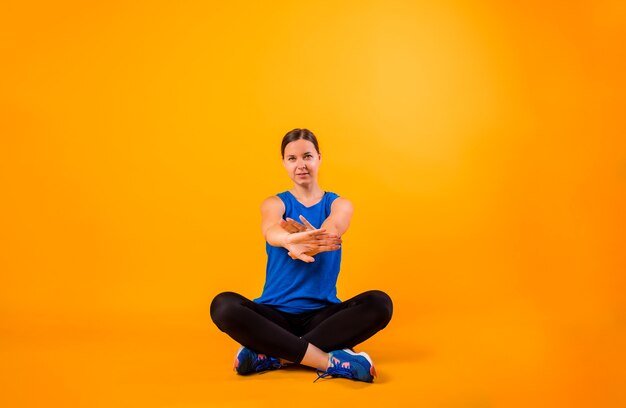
301,162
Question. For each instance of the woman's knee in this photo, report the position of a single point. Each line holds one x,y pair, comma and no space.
381,306
223,307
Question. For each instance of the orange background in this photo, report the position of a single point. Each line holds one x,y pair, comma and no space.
482,145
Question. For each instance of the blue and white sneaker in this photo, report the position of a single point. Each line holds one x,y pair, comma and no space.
348,364
248,362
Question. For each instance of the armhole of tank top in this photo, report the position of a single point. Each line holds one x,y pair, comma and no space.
329,202
285,199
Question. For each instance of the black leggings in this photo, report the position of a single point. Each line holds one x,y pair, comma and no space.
267,330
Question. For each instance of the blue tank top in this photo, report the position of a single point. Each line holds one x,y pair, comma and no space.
294,286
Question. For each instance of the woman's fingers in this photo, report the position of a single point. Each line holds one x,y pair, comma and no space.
307,234
327,248
306,258
326,244
300,252
292,226
300,237
305,252
295,225
319,233
322,240
307,225
306,222
288,227
314,238
326,239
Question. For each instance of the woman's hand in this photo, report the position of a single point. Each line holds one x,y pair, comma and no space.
302,245
293,226
324,242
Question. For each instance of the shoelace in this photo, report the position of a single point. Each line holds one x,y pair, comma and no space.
334,371
265,364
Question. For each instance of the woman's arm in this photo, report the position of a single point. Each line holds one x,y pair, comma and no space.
299,243
272,210
340,215
336,223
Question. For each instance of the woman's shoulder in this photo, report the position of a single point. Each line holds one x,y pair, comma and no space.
341,203
334,202
332,196
273,202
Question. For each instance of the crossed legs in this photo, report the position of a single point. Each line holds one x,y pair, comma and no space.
304,339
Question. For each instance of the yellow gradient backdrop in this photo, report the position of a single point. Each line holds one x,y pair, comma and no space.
482,145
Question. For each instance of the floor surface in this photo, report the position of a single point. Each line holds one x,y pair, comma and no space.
499,358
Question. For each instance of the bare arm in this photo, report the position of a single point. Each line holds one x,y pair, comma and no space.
298,243
272,210
336,223
340,215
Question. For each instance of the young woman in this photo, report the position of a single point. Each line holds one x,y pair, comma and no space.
298,317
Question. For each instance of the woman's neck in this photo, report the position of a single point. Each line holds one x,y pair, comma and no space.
307,193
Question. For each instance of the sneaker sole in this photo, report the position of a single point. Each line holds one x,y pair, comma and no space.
236,362
369,359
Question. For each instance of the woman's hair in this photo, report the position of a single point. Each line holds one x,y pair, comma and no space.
298,134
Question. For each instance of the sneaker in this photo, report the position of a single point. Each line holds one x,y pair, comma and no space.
348,364
248,362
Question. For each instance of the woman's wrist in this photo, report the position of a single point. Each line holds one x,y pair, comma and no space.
284,239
